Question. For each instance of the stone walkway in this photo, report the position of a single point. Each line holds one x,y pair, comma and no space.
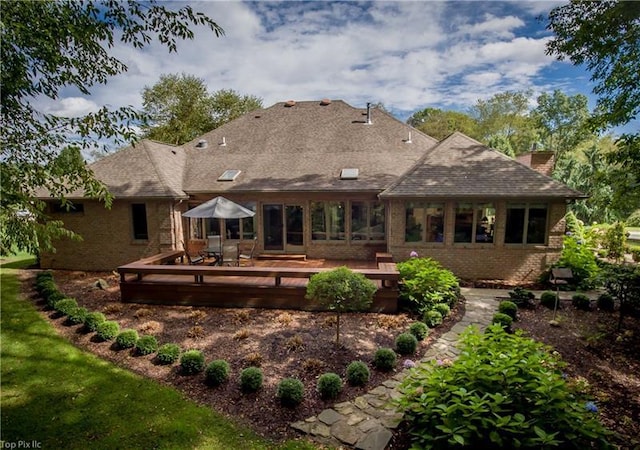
366,422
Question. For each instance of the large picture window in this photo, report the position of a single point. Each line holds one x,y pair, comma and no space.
327,221
424,222
367,221
139,220
526,223
474,223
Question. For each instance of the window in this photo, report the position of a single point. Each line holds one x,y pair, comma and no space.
68,208
424,222
526,223
139,218
474,223
367,221
349,174
327,221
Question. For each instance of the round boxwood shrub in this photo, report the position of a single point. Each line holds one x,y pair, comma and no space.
192,362
290,391
168,353
581,301
504,320
48,289
606,302
77,315
251,379
406,344
329,385
44,283
54,297
548,299
358,373
146,345
217,372
107,330
127,338
432,318
442,308
509,308
93,319
66,305
385,359
419,329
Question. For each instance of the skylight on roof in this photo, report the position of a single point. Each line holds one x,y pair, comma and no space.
349,174
229,175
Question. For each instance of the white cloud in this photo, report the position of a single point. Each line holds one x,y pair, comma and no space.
70,107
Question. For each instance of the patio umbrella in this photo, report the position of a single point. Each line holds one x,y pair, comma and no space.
219,208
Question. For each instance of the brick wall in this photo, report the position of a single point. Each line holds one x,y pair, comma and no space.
539,160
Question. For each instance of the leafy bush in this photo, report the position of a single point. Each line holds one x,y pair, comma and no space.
54,297
168,353
622,282
93,319
503,320
508,308
290,391
127,338
432,318
77,315
419,329
192,362
504,391
615,240
385,359
425,282
523,298
107,330
48,289
66,305
251,379
358,373
146,345
406,344
45,275
548,299
579,257
606,302
329,385
442,308
581,301
217,372
634,219
44,282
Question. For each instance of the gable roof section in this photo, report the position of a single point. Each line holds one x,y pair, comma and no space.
304,148
462,167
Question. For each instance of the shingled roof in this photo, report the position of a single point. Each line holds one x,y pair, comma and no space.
462,167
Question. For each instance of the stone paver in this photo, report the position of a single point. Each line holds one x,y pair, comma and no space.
365,423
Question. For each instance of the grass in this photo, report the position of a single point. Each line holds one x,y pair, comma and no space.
62,397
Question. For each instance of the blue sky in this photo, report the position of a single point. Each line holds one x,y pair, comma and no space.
406,55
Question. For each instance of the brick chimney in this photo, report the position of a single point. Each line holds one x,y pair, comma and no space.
540,161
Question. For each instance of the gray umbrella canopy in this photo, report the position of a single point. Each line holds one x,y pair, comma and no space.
219,208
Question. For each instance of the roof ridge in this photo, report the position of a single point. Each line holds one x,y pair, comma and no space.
156,168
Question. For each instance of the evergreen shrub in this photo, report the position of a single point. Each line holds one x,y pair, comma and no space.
251,379
329,385
217,372
419,329
168,353
107,330
385,359
358,373
146,345
548,299
432,318
290,392
509,308
192,362
406,344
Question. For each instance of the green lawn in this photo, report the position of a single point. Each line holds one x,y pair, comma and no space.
62,397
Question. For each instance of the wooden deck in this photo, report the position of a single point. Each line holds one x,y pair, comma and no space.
163,279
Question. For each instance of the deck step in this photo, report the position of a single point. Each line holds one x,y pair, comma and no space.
282,256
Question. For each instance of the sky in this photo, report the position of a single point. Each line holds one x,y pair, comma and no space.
407,55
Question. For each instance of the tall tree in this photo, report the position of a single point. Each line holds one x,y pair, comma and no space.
229,105
48,46
439,124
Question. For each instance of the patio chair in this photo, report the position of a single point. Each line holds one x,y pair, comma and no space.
193,260
247,255
559,277
230,254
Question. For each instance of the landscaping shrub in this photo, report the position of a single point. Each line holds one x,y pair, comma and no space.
45,275
48,289
290,391
329,385
168,353
622,282
606,302
406,344
146,345
43,283
192,362
523,298
503,320
581,301
442,308
425,282
503,391
614,241
634,219
508,308
93,319
54,297
66,305
385,359
127,338
77,315
217,372
251,379
358,373
419,329
578,257
432,318
107,330
548,299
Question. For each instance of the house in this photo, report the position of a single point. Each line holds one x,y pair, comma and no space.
326,180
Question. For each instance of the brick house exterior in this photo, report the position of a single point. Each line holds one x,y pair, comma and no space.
330,181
